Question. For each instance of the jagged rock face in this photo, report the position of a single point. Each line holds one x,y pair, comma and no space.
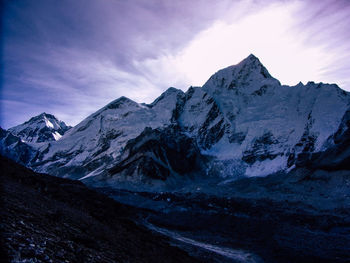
253,106
159,153
42,128
13,147
202,118
242,117
336,156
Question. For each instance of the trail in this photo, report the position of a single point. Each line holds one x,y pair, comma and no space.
234,254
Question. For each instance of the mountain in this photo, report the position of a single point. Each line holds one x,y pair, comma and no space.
13,147
242,122
50,219
94,144
42,128
255,119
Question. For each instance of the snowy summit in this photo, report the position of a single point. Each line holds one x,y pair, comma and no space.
42,128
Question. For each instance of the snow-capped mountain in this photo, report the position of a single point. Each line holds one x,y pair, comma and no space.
242,122
242,113
42,128
94,145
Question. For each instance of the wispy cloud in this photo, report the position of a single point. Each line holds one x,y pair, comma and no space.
74,57
326,24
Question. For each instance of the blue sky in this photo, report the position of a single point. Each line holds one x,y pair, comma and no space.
70,58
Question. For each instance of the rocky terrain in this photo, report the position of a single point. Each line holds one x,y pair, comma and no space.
49,219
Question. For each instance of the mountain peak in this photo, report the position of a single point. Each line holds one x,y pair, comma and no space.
249,75
41,128
172,90
252,64
171,93
251,57
41,117
119,103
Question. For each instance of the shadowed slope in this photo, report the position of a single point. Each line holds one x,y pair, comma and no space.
47,218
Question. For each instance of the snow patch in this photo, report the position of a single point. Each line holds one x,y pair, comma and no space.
57,136
267,167
93,173
48,123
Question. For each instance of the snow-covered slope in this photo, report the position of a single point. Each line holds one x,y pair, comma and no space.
93,145
242,118
42,128
245,114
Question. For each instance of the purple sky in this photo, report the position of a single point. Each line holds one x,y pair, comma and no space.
70,58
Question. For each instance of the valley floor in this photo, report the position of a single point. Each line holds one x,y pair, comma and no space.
245,230
49,219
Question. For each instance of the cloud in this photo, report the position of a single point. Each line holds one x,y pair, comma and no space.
326,24
83,54
73,58
278,34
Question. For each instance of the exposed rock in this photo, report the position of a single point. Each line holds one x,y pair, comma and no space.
158,153
337,156
261,150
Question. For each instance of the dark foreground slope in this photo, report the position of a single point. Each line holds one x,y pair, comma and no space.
49,219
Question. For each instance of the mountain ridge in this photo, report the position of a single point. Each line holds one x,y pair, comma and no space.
241,117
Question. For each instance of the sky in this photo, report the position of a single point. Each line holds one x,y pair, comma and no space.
70,58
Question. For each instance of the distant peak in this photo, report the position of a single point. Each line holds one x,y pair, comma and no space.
119,102
252,64
172,89
251,60
252,57
170,92
40,117
122,100
47,115
247,74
